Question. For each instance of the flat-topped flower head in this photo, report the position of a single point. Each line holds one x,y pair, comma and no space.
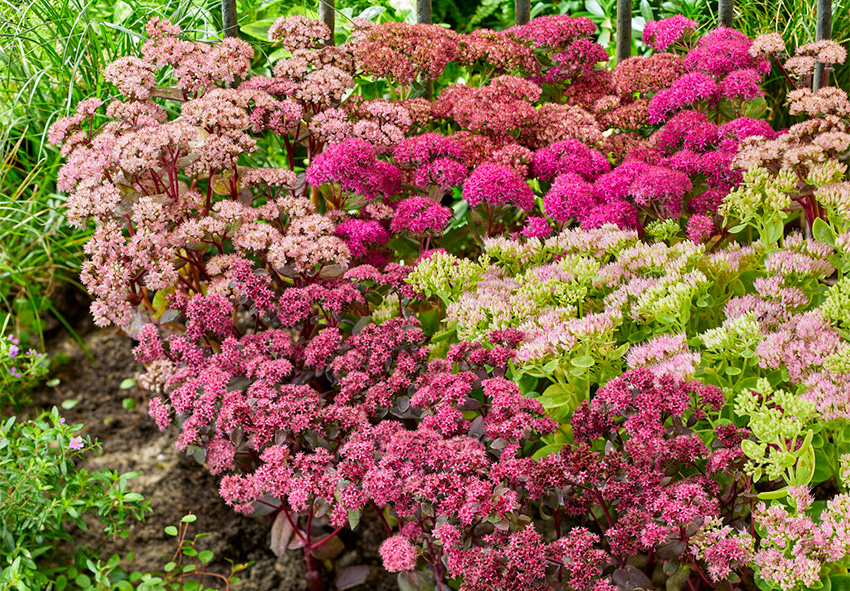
660,35
298,32
553,32
494,185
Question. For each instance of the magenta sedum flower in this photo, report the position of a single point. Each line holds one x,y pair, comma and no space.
420,216
700,228
660,35
492,184
569,156
353,165
536,227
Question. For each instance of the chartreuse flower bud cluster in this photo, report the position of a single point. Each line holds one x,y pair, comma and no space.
446,276
760,203
780,421
836,306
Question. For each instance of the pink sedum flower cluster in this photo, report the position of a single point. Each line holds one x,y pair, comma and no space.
329,342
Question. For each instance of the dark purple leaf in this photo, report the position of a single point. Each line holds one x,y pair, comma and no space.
352,577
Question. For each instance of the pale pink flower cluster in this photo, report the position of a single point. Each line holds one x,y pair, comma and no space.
795,546
298,32
127,174
665,354
766,44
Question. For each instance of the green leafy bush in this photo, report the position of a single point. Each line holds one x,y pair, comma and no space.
42,490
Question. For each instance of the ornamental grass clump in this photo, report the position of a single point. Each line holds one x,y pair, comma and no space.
523,323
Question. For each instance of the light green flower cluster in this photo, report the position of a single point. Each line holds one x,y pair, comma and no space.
491,306
759,202
670,302
447,276
838,362
513,255
388,308
760,193
778,419
836,307
835,197
600,244
735,338
826,173
663,230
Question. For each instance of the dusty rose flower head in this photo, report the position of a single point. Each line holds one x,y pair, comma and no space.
504,104
298,32
497,50
826,51
769,43
398,554
646,75
401,51
580,57
553,32
134,77
158,27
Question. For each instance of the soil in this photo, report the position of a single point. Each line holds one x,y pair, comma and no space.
175,483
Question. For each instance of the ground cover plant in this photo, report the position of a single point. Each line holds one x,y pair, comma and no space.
554,326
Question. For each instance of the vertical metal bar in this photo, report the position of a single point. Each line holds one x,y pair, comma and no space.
724,12
424,16
326,15
228,18
822,31
624,30
423,12
522,12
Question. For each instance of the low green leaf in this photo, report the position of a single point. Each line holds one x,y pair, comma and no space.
547,450
772,233
583,361
774,494
258,29
353,518
823,232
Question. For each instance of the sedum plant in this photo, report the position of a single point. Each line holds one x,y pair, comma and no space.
522,322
